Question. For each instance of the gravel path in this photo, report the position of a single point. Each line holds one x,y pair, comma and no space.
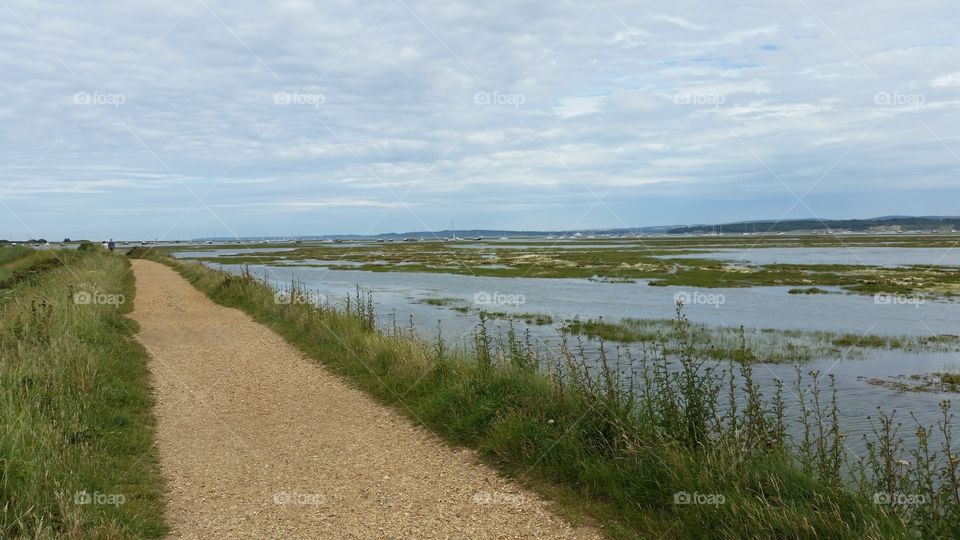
257,441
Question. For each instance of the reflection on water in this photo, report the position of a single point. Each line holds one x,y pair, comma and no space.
227,252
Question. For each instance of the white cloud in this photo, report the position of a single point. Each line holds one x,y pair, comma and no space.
306,205
583,102
679,21
946,81
576,106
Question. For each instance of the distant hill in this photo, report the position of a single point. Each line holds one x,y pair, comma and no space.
890,223
885,223
465,234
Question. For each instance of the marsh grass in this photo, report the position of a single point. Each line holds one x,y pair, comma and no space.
632,260
459,305
808,290
938,382
627,453
441,301
75,408
530,318
762,345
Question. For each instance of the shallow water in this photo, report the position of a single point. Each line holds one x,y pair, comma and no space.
866,256
399,295
755,307
228,252
556,244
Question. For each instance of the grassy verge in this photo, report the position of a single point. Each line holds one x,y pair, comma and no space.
18,263
76,432
665,457
11,258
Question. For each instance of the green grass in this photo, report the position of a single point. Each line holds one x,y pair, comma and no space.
867,341
441,301
9,254
18,261
615,457
950,378
75,408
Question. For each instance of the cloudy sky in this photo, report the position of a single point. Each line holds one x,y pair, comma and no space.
189,118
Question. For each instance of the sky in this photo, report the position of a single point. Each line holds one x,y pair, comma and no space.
180,119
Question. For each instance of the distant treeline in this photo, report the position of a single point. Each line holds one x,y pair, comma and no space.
30,241
904,224
36,241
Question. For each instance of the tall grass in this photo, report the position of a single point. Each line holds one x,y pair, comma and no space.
19,262
76,452
689,449
9,254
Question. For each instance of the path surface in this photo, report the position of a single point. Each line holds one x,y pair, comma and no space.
257,441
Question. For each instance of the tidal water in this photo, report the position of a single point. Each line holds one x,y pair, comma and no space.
398,296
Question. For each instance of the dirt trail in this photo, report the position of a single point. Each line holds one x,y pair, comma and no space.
257,441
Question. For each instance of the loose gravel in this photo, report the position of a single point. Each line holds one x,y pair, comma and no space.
257,441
